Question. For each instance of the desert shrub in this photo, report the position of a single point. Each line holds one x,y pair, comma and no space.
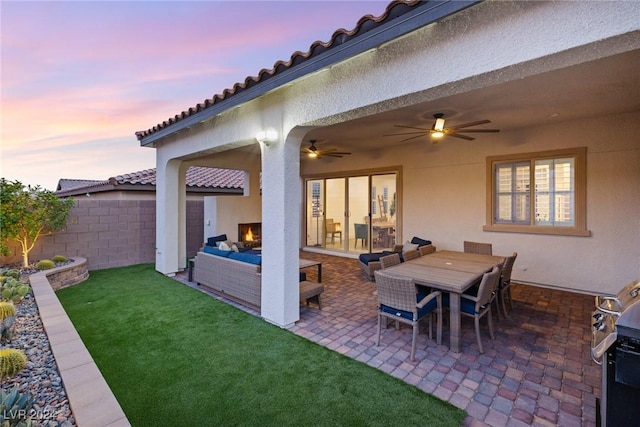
7,309
13,407
45,264
10,272
7,320
12,361
59,258
13,290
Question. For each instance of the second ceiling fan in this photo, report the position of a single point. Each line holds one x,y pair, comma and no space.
314,152
437,131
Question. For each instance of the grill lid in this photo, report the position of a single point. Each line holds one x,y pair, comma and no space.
628,324
618,304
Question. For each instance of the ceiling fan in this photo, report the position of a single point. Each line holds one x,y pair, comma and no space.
438,130
315,153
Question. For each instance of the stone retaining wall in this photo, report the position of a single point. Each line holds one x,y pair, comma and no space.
69,275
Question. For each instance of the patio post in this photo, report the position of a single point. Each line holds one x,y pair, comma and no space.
280,232
170,242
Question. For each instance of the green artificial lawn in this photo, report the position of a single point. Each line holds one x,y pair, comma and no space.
174,356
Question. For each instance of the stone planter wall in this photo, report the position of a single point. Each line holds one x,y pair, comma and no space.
68,275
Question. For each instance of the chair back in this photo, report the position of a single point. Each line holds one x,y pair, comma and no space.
507,267
488,287
389,260
478,248
410,254
395,292
426,250
362,231
331,226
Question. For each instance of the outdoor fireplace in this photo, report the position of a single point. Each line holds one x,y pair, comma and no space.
250,234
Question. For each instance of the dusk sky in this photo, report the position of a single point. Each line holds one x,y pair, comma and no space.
78,79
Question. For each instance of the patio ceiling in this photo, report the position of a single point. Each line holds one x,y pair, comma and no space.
589,90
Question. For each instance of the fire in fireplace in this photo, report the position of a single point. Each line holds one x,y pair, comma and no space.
250,233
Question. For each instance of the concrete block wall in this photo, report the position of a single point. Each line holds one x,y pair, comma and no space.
111,233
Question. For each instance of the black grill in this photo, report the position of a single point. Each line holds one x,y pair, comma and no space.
617,326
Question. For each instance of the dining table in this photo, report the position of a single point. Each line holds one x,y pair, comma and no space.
448,271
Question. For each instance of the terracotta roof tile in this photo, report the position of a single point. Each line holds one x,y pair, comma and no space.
197,177
68,184
366,23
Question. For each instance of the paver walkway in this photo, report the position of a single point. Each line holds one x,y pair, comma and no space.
537,371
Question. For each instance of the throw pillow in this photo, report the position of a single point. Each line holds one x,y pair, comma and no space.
223,246
234,248
409,246
213,241
420,242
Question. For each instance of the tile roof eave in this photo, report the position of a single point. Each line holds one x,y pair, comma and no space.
343,45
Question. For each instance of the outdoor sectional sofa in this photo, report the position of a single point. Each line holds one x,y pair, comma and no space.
237,276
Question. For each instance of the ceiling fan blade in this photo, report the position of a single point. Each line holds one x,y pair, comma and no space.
464,125
479,130
458,135
413,137
424,132
413,127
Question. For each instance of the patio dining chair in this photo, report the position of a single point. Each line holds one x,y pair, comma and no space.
426,250
400,300
333,229
504,288
479,305
410,254
389,260
362,234
478,248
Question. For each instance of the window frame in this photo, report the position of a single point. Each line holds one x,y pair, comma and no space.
579,154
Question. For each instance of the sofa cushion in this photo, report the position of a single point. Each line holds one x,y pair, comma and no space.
215,251
420,242
222,246
213,241
367,258
245,257
408,246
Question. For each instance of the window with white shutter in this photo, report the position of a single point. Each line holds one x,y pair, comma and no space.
538,192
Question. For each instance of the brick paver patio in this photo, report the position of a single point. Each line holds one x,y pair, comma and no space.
537,371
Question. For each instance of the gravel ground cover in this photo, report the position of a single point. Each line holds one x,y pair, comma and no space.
41,378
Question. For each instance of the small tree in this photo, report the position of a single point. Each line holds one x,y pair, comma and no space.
26,213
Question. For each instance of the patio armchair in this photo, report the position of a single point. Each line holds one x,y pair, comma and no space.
504,287
400,300
479,305
478,248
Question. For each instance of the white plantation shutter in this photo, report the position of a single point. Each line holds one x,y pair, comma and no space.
553,192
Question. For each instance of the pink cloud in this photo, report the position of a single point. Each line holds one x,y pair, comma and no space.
74,73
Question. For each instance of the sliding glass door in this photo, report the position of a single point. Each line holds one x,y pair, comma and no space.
352,213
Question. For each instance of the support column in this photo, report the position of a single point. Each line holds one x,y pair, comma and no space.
280,232
170,217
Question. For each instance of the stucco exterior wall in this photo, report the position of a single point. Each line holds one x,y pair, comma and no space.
444,199
444,194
